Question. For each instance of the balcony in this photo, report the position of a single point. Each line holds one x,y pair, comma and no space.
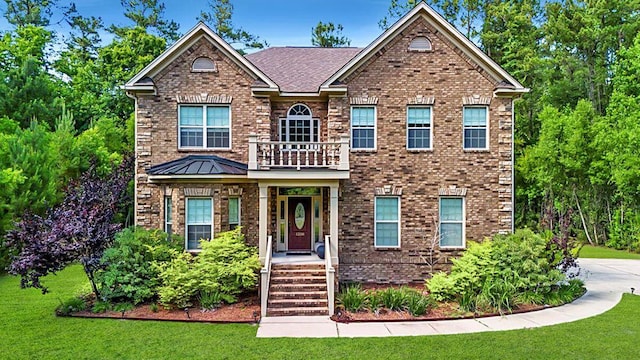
298,160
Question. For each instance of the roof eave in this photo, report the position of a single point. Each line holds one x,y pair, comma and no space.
513,93
196,178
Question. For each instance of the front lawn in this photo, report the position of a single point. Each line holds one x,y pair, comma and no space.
601,252
30,330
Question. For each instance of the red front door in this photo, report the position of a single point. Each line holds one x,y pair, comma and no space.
299,224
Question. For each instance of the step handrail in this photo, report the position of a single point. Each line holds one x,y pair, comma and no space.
330,275
265,278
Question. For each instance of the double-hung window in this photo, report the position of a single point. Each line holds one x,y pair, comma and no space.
387,221
205,126
363,127
475,123
168,213
199,221
234,212
419,128
452,222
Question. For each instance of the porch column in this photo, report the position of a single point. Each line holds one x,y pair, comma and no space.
263,223
333,223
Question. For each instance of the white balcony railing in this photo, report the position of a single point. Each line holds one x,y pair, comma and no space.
266,155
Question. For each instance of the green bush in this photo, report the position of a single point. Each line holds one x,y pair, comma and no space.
72,305
374,301
100,307
210,300
395,299
5,257
498,274
129,274
417,304
624,230
352,298
225,265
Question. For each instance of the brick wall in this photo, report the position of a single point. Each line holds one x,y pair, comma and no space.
157,134
395,75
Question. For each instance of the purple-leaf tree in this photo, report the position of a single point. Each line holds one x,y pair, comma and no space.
77,230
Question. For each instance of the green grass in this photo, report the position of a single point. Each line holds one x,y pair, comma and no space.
30,330
600,252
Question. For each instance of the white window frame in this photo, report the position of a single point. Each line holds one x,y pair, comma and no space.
204,127
168,221
285,132
430,127
186,222
486,124
239,223
375,127
376,221
463,222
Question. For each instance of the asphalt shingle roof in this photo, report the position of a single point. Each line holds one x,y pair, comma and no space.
301,69
199,165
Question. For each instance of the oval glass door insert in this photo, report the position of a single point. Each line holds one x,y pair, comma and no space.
299,216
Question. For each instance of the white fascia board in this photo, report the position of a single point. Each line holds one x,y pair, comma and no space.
293,174
198,178
510,92
444,27
193,35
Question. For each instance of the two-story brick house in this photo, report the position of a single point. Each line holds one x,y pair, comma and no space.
378,150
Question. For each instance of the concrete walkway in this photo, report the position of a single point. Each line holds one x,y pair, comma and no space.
605,279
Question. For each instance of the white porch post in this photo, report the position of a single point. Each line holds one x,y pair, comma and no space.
333,223
263,224
253,152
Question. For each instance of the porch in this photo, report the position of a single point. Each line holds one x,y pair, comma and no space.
295,215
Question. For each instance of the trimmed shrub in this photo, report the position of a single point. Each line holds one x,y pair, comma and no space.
129,274
226,265
498,274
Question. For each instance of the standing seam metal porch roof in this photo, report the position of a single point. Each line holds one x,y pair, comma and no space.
199,165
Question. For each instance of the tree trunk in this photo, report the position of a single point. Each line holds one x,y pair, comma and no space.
584,223
92,281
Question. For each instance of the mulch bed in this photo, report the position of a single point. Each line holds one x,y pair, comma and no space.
247,310
444,311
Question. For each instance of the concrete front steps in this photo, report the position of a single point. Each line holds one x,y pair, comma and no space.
297,289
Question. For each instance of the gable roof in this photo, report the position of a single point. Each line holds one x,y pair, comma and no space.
199,165
301,69
446,29
201,30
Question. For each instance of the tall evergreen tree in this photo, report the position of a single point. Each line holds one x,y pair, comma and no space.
218,16
328,35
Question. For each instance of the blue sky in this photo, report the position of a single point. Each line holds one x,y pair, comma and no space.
279,22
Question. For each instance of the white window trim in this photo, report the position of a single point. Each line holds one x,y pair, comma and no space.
239,211
375,222
464,222
375,128
186,222
204,128
486,125
168,220
430,127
